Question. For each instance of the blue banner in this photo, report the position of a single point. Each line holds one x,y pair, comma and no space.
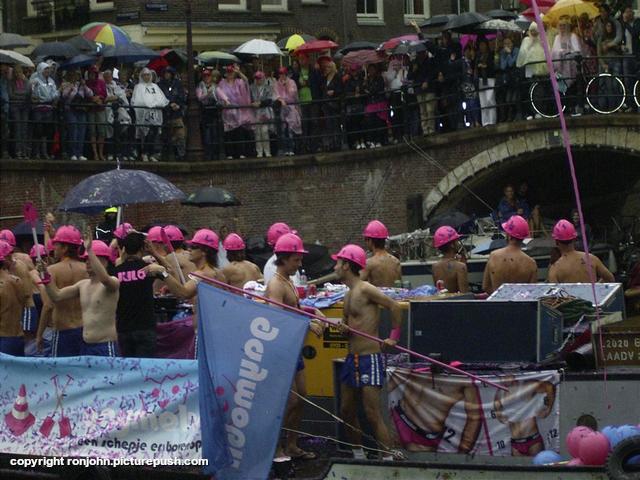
248,353
111,408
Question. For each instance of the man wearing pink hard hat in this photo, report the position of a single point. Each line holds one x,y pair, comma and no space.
13,296
239,270
289,251
510,264
571,267
451,271
274,232
98,297
363,372
383,269
66,315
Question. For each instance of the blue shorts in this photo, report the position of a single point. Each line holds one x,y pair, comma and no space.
67,343
12,346
104,349
300,364
30,319
363,370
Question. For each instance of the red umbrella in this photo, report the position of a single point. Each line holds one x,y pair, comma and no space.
316,46
362,58
394,42
158,64
529,13
541,3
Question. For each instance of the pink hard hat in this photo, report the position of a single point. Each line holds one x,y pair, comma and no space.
444,235
376,229
174,233
8,236
155,234
101,249
233,243
516,227
564,231
5,250
352,253
68,234
39,248
122,230
289,243
276,231
205,237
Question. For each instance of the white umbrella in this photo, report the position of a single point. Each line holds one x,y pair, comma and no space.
259,47
13,58
13,40
495,25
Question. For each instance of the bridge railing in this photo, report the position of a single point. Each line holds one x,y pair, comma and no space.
116,130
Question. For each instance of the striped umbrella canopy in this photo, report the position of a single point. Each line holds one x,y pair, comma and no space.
105,33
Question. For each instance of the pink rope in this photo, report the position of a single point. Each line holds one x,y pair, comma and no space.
572,169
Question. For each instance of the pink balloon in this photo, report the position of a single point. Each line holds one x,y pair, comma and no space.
575,462
594,449
574,438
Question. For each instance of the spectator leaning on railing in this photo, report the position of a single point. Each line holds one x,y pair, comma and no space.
148,102
44,97
174,130
19,111
75,97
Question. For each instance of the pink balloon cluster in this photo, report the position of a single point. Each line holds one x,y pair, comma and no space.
587,447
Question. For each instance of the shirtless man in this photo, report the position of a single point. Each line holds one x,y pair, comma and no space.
450,270
204,255
421,414
526,440
273,234
13,296
239,270
571,267
66,314
510,264
98,299
9,237
289,250
383,269
363,372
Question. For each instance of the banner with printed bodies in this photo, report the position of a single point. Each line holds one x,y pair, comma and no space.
248,353
99,407
449,413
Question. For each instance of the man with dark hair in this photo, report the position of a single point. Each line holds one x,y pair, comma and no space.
239,270
66,314
383,269
176,238
104,230
363,371
289,250
450,270
135,320
510,264
571,267
13,296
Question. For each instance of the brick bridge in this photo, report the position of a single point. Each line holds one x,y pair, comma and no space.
329,197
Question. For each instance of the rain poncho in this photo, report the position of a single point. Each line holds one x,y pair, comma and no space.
565,47
148,101
531,52
290,113
116,90
43,90
235,93
263,94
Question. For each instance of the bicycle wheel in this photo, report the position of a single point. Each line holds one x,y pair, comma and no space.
605,93
543,100
636,93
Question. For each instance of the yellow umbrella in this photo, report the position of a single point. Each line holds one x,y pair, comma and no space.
570,8
294,42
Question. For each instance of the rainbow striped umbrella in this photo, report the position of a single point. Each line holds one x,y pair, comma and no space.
105,33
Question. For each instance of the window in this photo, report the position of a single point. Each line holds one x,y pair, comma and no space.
232,4
274,5
100,4
416,9
370,12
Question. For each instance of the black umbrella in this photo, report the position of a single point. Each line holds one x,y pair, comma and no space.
354,46
129,53
501,14
83,44
489,246
60,50
24,228
211,197
119,187
465,22
454,219
13,40
79,61
437,21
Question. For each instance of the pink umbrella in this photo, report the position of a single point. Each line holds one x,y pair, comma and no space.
316,46
362,58
466,38
394,42
529,13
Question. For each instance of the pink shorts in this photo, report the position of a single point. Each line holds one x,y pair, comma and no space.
409,432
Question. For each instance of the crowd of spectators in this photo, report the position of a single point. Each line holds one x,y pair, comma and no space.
261,108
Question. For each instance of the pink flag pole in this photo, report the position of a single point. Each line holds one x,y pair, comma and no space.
167,243
352,330
31,216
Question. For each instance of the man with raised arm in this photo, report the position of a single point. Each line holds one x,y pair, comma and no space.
98,296
364,369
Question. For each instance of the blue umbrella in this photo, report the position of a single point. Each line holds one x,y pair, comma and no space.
119,187
79,61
